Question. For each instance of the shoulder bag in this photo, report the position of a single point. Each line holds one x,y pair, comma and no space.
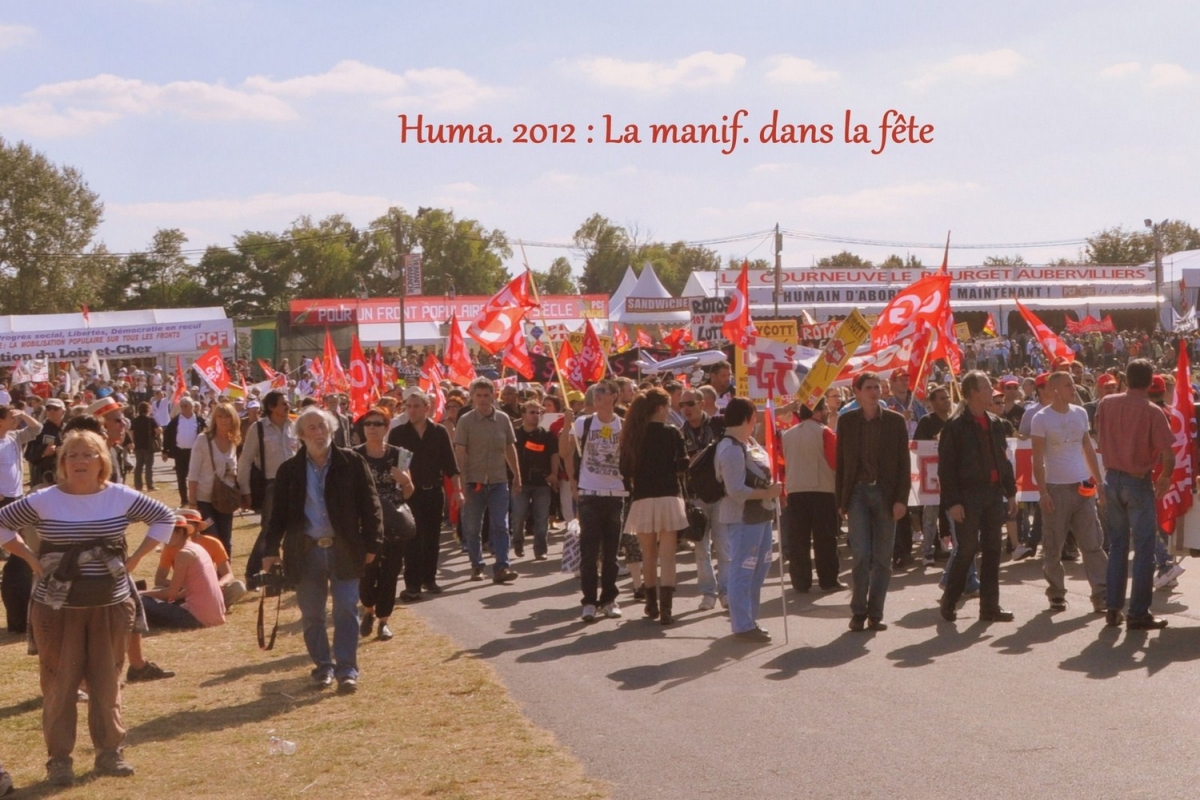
224,498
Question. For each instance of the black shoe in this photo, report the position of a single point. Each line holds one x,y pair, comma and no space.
1058,604
801,589
368,623
519,552
1113,617
877,624
837,587
858,622
1145,622
476,573
111,762
947,611
995,615
505,576
754,635
639,593
540,557
433,588
1071,555
408,597
347,686
324,680
147,672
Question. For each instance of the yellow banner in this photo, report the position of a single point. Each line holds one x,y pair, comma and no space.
576,340
962,331
853,331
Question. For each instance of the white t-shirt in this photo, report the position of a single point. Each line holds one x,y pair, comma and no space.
599,470
1063,432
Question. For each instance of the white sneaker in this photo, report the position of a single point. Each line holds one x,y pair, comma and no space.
1024,551
612,610
589,614
708,603
1165,579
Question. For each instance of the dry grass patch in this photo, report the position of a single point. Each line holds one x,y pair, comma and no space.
424,724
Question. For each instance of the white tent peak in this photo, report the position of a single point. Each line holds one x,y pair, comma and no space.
648,284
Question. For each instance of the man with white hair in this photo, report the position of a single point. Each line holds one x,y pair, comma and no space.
327,518
178,437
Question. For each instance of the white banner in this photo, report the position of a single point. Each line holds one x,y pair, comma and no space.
130,341
926,491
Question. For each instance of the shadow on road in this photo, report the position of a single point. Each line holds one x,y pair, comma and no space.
842,650
672,674
1117,650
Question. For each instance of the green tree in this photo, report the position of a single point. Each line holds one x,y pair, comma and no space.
1004,261
896,262
674,263
556,280
159,277
845,259
757,263
47,217
607,251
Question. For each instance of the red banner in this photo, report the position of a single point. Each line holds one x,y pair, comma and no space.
434,309
1090,324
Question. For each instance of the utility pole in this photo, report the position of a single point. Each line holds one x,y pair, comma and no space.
1158,270
778,268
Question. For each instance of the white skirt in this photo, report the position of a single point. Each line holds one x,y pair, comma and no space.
656,514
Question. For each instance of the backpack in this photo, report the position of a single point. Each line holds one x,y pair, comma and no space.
702,474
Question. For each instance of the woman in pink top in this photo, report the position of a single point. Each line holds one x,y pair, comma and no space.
194,598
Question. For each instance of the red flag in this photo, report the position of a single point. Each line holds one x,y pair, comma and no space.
1181,414
180,381
592,365
268,373
516,353
335,375
989,327
771,441
945,343
926,301
431,382
458,360
644,340
212,367
503,312
678,339
620,339
87,318
318,372
568,367
919,360
1056,349
738,327
360,379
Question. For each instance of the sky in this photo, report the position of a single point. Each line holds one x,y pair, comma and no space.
1049,121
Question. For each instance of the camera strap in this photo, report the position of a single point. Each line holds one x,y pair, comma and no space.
263,644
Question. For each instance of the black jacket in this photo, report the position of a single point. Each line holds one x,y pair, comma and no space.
352,504
962,465
172,429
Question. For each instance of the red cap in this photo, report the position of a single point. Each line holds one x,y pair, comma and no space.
1157,385
1106,379
1040,380
897,374
1011,385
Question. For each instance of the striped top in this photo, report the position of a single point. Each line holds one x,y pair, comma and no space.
63,520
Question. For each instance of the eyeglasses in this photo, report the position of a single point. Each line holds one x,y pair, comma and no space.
374,423
82,456
688,403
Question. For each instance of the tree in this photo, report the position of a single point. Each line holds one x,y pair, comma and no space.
557,279
1004,261
47,217
896,262
607,251
845,259
758,263
674,263
160,277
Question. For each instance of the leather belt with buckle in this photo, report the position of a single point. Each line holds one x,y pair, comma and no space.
325,542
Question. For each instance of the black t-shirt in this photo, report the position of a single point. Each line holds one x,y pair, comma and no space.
928,428
381,471
534,451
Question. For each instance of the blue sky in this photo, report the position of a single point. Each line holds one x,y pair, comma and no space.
1051,120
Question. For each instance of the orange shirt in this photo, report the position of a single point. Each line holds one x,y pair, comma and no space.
213,545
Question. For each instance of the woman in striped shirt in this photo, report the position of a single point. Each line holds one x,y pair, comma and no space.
84,606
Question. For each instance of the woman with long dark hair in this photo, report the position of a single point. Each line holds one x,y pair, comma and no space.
652,460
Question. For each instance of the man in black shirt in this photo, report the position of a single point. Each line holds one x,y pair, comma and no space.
44,449
147,439
537,457
433,460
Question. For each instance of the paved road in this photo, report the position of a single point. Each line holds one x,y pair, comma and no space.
1053,704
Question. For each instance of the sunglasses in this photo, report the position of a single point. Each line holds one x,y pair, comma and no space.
688,403
374,423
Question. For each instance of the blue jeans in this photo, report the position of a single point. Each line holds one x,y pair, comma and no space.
710,582
316,582
872,534
535,499
750,558
492,497
1132,514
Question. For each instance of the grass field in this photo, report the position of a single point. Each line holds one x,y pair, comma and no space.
423,724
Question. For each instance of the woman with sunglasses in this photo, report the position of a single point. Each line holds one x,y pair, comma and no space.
377,589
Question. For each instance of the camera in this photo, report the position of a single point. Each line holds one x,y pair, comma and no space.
270,582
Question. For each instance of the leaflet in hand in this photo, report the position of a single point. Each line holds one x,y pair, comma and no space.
404,459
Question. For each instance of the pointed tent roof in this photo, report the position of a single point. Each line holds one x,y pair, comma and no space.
648,286
623,289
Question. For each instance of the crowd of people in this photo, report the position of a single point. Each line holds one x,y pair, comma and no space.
356,508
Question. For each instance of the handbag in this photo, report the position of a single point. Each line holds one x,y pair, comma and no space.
224,498
398,521
258,474
697,524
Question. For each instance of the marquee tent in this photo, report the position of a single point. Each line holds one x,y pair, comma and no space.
648,288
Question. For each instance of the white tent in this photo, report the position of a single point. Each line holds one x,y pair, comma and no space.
648,287
626,286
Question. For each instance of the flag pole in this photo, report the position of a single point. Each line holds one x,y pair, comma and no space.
562,385
778,519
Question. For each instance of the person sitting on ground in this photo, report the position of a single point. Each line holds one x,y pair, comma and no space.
193,599
231,590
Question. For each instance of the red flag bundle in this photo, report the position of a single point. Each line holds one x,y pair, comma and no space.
431,382
738,327
924,302
180,381
568,367
212,367
335,375
318,372
502,313
1056,349
989,327
1181,414
360,379
644,340
678,339
458,360
620,339
378,385
592,364
516,353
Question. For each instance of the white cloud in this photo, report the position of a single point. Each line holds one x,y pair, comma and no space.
1165,76
697,71
15,35
43,120
789,69
437,88
1121,70
993,64
889,201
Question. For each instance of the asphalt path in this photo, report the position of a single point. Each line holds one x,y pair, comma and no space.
1054,704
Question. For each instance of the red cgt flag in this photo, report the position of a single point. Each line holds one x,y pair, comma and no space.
212,367
360,380
568,367
502,313
738,327
989,327
644,340
431,382
1056,349
620,339
592,365
335,375
516,354
180,381
924,302
1176,501
458,361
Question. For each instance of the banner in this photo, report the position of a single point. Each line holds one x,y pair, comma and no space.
412,275
127,341
962,331
1090,324
433,309
782,331
650,305
899,278
852,332
926,491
